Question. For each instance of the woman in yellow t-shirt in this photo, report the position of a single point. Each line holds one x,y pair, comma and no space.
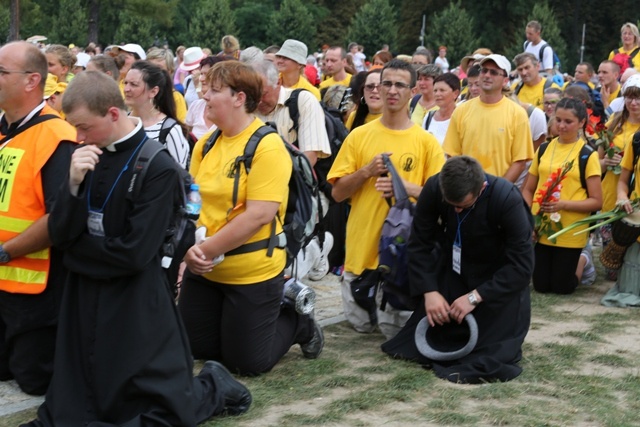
556,264
370,106
232,311
630,49
624,125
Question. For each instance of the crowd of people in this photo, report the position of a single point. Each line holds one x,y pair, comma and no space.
496,154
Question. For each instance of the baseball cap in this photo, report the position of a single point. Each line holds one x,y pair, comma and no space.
133,48
502,62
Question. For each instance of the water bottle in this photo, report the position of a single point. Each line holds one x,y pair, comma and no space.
194,202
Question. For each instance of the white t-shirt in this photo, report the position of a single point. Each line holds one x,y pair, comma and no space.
442,63
438,129
537,123
190,90
547,59
195,119
176,143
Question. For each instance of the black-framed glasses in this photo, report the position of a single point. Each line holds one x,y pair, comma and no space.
370,87
550,103
4,72
491,71
387,84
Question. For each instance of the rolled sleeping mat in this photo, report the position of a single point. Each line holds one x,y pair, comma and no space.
302,297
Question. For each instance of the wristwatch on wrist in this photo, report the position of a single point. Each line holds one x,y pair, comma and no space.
4,257
472,298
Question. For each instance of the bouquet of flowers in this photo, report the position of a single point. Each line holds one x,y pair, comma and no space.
599,219
604,140
548,224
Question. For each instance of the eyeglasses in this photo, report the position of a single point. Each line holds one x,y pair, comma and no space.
5,72
492,71
370,87
550,103
630,99
398,85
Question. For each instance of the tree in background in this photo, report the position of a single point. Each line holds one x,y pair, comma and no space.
211,21
136,29
373,25
453,28
69,25
292,21
333,27
251,30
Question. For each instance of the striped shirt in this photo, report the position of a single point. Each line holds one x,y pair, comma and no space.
176,143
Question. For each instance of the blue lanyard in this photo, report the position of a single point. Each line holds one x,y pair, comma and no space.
126,166
458,239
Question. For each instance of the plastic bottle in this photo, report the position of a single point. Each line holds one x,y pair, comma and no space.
194,202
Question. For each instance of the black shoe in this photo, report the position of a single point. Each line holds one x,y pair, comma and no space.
237,397
313,348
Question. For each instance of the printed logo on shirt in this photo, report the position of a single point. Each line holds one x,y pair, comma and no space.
9,162
408,162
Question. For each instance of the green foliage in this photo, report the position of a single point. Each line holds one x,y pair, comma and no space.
375,24
135,29
70,23
453,28
292,21
332,29
252,31
211,21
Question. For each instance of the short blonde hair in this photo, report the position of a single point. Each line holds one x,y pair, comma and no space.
634,29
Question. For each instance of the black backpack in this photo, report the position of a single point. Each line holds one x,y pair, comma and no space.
180,234
635,146
303,204
336,131
167,124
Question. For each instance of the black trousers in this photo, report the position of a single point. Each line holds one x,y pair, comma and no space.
555,269
245,327
27,339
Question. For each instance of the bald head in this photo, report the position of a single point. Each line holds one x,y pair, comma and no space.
22,82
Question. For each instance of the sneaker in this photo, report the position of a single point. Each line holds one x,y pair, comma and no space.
589,271
313,348
237,397
321,267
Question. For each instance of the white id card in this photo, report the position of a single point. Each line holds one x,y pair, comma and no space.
94,224
457,259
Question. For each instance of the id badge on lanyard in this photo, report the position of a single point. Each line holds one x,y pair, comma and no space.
457,258
94,224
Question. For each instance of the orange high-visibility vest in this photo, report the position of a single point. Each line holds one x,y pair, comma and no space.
22,199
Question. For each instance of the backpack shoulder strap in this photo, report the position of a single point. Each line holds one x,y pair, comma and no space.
147,153
518,87
427,122
292,106
167,124
547,84
413,103
634,53
541,150
616,51
541,52
585,152
210,142
530,110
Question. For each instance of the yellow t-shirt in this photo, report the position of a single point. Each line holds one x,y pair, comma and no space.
419,112
496,135
352,116
533,95
610,181
635,60
331,81
554,157
268,181
416,155
181,106
303,83
627,163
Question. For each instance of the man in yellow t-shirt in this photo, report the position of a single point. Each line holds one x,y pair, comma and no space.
491,128
358,174
334,61
530,89
608,74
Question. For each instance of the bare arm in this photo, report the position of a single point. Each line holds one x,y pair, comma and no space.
33,239
515,170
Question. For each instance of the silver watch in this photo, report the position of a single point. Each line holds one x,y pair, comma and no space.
472,299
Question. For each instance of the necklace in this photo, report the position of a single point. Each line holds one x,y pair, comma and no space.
553,153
